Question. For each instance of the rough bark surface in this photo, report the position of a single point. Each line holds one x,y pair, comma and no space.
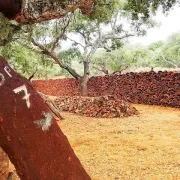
30,135
32,11
37,11
10,8
83,85
4,165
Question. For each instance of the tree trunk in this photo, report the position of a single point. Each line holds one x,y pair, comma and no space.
72,72
30,135
10,8
84,79
83,85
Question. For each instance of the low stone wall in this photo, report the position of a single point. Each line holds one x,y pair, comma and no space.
162,88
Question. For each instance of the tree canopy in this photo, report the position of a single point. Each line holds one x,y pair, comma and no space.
29,11
144,8
103,28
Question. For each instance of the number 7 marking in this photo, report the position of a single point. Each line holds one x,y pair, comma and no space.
27,95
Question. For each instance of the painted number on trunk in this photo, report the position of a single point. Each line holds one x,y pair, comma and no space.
2,79
7,70
27,95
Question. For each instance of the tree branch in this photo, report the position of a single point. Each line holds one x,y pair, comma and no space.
55,58
104,70
33,11
83,35
112,36
32,76
27,47
120,70
170,62
54,44
76,42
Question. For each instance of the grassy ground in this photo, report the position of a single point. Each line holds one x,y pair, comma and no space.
144,147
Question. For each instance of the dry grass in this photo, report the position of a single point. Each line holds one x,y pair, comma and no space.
143,147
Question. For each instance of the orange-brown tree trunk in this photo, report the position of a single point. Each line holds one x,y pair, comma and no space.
85,78
29,134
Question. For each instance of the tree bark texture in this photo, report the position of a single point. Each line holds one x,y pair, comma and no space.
31,11
29,134
84,79
4,165
10,8
83,85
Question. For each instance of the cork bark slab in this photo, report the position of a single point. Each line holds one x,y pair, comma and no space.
30,136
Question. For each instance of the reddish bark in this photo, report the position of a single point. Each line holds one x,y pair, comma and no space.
38,11
10,8
83,85
30,136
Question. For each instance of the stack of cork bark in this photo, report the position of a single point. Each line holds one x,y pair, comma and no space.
100,107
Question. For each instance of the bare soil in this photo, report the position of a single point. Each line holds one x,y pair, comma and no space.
140,147
145,146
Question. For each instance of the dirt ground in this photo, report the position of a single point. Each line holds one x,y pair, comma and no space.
143,147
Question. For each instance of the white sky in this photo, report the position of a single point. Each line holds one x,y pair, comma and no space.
169,25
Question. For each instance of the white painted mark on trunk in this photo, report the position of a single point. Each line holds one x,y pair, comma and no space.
2,79
46,122
27,95
7,70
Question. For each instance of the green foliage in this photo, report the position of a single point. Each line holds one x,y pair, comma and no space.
143,8
109,35
7,30
116,44
114,61
155,45
139,9
4,27
115,58
120,59
80,22
26,61
158,54
168,54
142,56
104,9
67,56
